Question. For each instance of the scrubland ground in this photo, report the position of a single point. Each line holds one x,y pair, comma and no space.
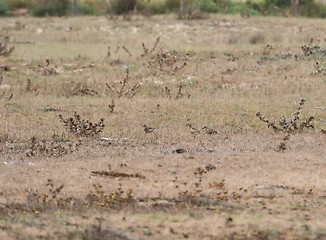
67,174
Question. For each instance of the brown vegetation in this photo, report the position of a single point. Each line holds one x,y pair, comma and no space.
183,152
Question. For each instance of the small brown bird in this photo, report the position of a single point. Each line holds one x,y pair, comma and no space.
192,130
209,131
148,129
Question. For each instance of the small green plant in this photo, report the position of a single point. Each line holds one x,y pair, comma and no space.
42,8
4,7
86,9
319,70
122,6
14,4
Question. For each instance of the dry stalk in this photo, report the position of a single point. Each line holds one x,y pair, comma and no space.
29,85
127,51
123,90
178,94
155,45
117,50
82,127
5,50
168,92
112,106
109,51
146,51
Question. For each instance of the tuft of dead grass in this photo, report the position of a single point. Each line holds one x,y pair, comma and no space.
5,50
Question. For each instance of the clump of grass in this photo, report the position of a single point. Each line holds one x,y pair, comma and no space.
53,197
231,57
266,54
5,50
319,70
312,51
178,95
162,61
123,89
46,148
82,127
48,70
165,62
30,87
257,38
116,199
77,89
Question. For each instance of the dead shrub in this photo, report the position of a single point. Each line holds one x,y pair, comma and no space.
54,148
82,127
162,61
165,62
289,126
122,89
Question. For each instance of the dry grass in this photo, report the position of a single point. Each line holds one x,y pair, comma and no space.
141,173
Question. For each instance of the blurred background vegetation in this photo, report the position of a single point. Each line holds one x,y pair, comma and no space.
41,8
